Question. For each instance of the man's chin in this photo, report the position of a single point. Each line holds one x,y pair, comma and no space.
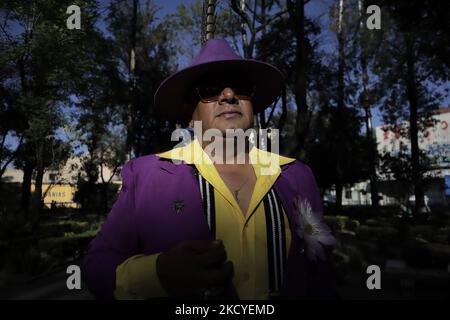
232,127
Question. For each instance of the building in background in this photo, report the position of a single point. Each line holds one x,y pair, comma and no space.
434,140
59,187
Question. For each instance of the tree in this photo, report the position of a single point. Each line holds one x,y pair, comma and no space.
322,152
26,161
151,41
188,28
413,60
302,42
317,82
256,17
105,149
12,122
99,101
38,48
366,46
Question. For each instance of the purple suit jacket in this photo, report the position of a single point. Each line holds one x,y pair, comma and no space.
140,223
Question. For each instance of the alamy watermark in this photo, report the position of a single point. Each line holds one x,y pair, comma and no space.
73,281
374,20
233,142
374,280
74,20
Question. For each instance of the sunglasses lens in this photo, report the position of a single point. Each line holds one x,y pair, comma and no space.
211,92
243,90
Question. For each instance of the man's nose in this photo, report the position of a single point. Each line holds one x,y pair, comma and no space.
227,95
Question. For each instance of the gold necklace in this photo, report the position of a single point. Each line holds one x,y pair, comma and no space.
236,191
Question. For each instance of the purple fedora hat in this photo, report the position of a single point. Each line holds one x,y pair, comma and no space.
216,57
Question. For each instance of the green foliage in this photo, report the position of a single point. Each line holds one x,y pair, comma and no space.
60,228
69,246
339,223
385,233
353,225
186,24
27,260
44,61
410,65
14,226
333,126
96,197
57,241
278,46
422,231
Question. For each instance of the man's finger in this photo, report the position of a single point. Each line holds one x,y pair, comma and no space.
219,276
215,256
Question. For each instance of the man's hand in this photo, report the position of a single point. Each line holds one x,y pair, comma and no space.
195,269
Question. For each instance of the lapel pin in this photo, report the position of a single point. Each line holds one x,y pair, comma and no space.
178,206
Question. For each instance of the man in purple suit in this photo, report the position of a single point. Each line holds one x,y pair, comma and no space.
216,217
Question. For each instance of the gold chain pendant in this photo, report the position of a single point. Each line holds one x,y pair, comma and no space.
236,195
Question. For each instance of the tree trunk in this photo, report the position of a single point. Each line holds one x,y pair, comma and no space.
339,189
105,197
373,154
284,111
132,84
262,116
37,195
340,107
300,86
26,186
369,135
296,11
411,88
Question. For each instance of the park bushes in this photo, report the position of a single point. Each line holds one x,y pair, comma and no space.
57,240
33,256
385,233
339,223
70,246
59,228
353,225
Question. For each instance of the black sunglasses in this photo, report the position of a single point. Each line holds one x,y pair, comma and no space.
210,92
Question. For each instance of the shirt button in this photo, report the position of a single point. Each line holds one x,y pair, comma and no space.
245,276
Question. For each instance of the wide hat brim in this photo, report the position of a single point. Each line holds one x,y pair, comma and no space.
170,97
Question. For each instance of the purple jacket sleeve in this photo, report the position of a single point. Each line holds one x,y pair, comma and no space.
313,192
116,241
322,275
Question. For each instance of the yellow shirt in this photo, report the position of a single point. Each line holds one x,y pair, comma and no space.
244,236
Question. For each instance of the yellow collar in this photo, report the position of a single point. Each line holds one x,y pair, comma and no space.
267,168
193,153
